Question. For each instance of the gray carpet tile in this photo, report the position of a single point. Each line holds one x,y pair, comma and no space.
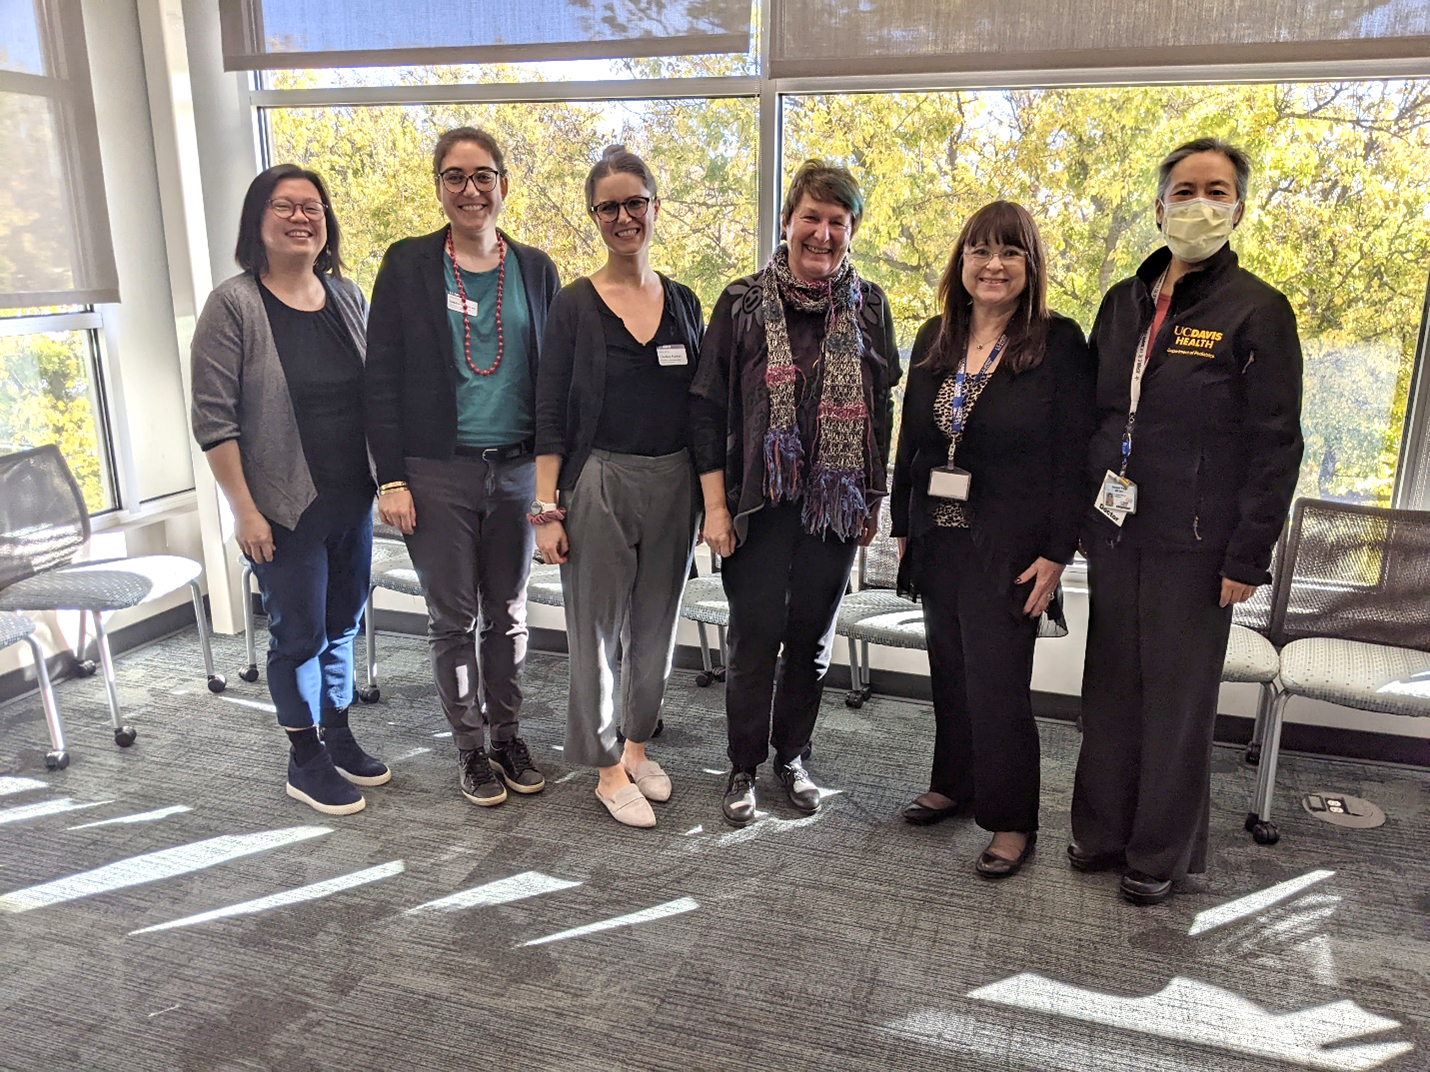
843,941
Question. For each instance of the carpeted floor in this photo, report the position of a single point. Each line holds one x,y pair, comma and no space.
844,941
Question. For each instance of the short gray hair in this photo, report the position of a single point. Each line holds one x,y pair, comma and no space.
1240,162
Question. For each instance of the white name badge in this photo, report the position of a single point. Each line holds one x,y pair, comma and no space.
673,354
1117,498
950,482
454,303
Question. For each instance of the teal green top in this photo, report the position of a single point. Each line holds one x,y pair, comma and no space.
495,410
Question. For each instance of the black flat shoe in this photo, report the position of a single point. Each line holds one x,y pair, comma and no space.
1094,861
916,814
1143,889
991,866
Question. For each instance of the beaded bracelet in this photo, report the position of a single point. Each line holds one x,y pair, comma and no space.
547,516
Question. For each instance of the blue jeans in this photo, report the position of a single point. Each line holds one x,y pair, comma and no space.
314,592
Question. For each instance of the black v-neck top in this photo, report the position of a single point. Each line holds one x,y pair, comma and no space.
646,405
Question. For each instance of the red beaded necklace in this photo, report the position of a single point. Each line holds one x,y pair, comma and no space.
462,293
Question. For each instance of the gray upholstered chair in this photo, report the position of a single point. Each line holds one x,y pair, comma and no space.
43,524
1352,613
704,603
1251,658
876,613
13,629
392,570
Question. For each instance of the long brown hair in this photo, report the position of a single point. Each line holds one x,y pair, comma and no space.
1001,223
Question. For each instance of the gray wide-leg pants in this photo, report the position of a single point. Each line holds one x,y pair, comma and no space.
631,523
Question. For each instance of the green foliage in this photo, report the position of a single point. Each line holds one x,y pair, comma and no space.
1336,217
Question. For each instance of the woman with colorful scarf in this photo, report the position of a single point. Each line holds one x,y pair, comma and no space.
791,420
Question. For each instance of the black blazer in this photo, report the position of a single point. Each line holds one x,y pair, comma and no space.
410,383
571,389
1025,446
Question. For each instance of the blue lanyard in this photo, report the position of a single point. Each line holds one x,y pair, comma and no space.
962,389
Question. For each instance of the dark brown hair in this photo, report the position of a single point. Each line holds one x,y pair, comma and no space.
472,134
1001,223
617,158
250,251
824,182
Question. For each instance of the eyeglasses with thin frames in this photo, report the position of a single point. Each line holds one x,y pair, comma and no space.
484,179
981,255
286,209
610,211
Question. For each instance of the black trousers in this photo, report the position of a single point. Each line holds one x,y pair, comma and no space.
784,587
980,647
1155,646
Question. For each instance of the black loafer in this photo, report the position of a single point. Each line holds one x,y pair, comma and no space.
739,803
915,814
1094,861
991,866
1143,889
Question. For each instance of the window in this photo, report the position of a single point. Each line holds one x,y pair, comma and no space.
1337,217
377,162
51,394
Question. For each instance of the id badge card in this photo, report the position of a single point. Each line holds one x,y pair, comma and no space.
950,482
454,303
1117,498
672,354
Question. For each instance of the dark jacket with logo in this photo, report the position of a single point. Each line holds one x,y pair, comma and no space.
1217,446
410,387
571,390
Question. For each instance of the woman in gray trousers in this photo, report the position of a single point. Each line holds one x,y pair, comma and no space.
615,486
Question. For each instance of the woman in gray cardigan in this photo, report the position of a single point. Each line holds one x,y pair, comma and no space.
277,379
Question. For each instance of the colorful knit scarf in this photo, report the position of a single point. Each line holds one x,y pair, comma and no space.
833,482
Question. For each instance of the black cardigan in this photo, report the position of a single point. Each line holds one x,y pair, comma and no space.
730,406
1217,448
410,387
571,386
1025,445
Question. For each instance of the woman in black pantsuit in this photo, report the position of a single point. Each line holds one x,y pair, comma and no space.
988,495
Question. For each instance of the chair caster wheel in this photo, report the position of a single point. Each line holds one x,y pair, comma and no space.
249,673
218,683
85,668
369,695
1263,833
57,760
1253,755
704,678
856,698
124,736
659,725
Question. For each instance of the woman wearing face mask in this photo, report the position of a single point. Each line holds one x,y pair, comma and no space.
612,415
1195,457
988,497
790,421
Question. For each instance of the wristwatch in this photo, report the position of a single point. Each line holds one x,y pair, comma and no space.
539,507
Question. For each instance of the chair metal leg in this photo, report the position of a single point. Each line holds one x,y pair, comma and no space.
217,682
83,665
858,674
123,735
1263,715
371,693
1258,821
250,672
707,662
58,758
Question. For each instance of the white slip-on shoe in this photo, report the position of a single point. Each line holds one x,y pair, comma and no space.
629,808
653,782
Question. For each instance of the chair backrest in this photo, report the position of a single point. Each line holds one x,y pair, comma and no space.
43,518
1255,613
879,562
1355,573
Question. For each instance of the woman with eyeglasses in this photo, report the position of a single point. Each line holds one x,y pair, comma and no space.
988,499
277,362
454,337
791,420
616,500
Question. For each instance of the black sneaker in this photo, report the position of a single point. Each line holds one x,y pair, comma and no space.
352,762
513,762
799,787
739,802
318,784
479,783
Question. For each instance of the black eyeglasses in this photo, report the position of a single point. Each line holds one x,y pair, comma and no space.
288,209
484,178
609,210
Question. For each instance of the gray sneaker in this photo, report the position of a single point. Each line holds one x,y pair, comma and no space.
479,782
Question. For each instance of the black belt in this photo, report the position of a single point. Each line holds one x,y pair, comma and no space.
500,454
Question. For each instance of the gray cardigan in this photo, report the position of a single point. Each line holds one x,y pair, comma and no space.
240,391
